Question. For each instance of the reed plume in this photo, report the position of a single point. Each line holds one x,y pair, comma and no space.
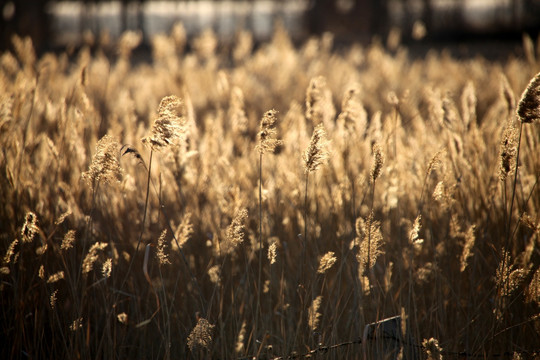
29,228
314,314
106,268
161,254
316,153
353,114
414,237
507,151
378,162
528,108
122,318
507,94
104,167
183,231
68,240
92,256
266,137
169,126
235,231
433,349
272,253
467,248
201,335
326,262
369,236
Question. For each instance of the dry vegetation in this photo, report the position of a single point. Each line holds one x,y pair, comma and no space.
161,210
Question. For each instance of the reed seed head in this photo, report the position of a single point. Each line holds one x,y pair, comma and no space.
92,256
414,238
316,153
201,335
122,318
272,253
215,274
162,256
235,231
378,162
169,126
467,248
53,299
507,94
55,277
69,239
106,268
370,240
432,349
29,228
508,151
267,141
183,231
326,262
10,251
528,108
314,314
105,167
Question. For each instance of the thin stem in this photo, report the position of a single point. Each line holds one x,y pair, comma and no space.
143,221
304,240
514,185
260,245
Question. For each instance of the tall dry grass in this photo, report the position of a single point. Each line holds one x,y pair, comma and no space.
245,255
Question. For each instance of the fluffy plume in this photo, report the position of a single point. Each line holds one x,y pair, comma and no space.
378,162
528,108
326,262
369,237
507,94
10,251
314,314
169,126
76,324
92,256
467,248
508,277
29,228
69,239
267,132
53,299
237,114
414,233
122,318
272,253
352,114
162,256
507,152
55,277
316,153
432,349
106,268
215,274
201,335
105,167
183,231
235,231
319,106
240,339
129,41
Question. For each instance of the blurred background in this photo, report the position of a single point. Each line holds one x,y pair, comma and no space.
54,24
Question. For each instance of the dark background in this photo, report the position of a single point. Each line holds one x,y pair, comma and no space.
349,20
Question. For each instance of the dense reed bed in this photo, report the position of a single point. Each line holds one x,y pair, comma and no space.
230,201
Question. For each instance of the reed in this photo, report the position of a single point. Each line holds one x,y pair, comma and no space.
149,210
